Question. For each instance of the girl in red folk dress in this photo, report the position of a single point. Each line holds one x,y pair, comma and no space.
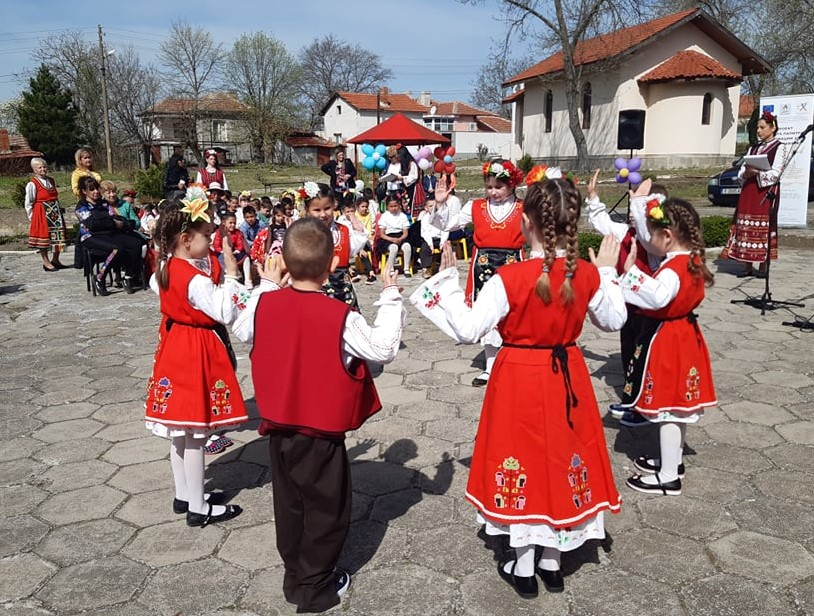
212,172
193,390
320,204
670,380
755,222
498,239
540,471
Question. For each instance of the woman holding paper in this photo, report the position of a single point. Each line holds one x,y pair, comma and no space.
755,221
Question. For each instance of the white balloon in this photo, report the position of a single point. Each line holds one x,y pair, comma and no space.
424,164
375,156
359,186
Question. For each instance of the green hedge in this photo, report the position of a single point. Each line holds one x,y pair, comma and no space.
149,183
715,228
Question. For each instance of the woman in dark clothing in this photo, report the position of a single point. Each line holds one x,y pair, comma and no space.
342,173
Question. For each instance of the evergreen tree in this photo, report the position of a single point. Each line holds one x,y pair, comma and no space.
48,118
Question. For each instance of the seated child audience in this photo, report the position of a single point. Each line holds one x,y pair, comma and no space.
350,217
229,227
430,237
306,413
393,229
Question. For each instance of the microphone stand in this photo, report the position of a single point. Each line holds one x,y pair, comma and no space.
765,301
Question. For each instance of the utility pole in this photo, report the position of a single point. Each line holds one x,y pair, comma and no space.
103,57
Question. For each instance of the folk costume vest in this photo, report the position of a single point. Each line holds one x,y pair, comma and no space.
324,399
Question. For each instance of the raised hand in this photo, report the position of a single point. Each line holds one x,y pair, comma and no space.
229,261
642,190
592,185
390,274
448,257
608,253
631,258
274,270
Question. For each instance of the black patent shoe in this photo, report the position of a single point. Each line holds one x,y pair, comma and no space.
479,381
100,286
669,488
214,498
205,519
128,285
526,587
552,580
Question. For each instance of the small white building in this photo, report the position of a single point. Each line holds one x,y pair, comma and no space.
683,70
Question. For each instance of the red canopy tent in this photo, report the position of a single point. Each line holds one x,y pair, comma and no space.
400,129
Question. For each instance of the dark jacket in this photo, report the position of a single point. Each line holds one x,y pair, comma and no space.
330,168
175,174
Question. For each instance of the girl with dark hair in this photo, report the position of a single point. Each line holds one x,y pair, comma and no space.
669,381
211,172
187,405
540,471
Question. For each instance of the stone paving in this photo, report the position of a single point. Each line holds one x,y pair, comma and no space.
86,525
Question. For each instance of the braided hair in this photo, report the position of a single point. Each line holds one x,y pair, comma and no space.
686,226
553,207
170,225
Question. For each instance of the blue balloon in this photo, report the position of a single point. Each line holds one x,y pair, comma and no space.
368,163
381,149
367,149
447,159
381,163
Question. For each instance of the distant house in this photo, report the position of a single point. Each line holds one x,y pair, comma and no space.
15,154
220,126
745,109
683,70
347,114
309,149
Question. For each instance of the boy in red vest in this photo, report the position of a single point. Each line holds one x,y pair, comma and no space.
318,348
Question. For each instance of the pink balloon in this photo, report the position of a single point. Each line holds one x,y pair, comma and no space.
425,152
634,164
620,163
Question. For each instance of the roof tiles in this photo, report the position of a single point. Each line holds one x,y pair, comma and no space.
689,64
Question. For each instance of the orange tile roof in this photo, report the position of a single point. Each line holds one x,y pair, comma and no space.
605,46
389,102
688,64
456,108
312,141
215,102
746,106
514,96
496,124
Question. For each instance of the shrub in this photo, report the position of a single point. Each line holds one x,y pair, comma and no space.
18,193
588,240
149,183
715,230
525,163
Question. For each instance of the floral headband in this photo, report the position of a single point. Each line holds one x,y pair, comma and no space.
655,213
308,191
196,209
769,117
130,193
505,171
544,172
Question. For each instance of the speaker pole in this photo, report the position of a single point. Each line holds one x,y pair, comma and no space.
622,198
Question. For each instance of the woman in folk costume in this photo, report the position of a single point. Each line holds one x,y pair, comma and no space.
540,471
47,228
211,172
497,236
755,222
669,381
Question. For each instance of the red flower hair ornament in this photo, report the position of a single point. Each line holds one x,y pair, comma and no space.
504,171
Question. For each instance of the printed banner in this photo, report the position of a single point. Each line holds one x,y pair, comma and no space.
794,114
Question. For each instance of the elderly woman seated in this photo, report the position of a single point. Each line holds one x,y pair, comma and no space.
108,234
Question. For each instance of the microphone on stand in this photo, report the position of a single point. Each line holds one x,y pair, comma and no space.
808,129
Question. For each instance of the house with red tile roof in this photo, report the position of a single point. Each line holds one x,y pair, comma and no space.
347,114
682,70
220,125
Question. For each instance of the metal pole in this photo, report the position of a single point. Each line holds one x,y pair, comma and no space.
104,104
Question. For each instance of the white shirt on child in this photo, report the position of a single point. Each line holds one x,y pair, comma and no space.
378,343
358,239
429,230
651,292
393,224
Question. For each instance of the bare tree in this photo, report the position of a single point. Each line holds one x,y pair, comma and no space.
266,77
488,91
8,115
193,60
135,88
74,61
559,25
328,65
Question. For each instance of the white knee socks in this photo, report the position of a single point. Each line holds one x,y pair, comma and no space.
671,442
177,462
550,560
490,352
187,460
525,562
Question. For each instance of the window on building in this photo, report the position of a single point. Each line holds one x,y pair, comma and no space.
548,110
586,106
706,109
219,130
339,110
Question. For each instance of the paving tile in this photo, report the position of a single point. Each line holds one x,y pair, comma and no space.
143,477
65,452
762,558
68,430
645,553
757,413
792,457
65,412
740,434
84,541
786,485
174,543
688,517
729,595
21,470
616,593
137,450
251,548
22,574
80,505
20,533
432,593
800,432
75,475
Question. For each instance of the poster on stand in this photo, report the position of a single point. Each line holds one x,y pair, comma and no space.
794,114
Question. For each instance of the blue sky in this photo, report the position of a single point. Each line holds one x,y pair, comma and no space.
435,45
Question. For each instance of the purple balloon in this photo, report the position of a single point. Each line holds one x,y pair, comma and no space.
620,179
634,164
635,177
620,163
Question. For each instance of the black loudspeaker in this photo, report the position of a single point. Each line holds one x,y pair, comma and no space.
631,130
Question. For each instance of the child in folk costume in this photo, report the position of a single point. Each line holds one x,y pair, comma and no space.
633,232
498,239
193,390
540,471
47,229
670,379
212,172
318,348
754,225
320,204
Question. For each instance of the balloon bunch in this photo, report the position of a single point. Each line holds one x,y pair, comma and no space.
374,156
628,170
423,158
444,163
